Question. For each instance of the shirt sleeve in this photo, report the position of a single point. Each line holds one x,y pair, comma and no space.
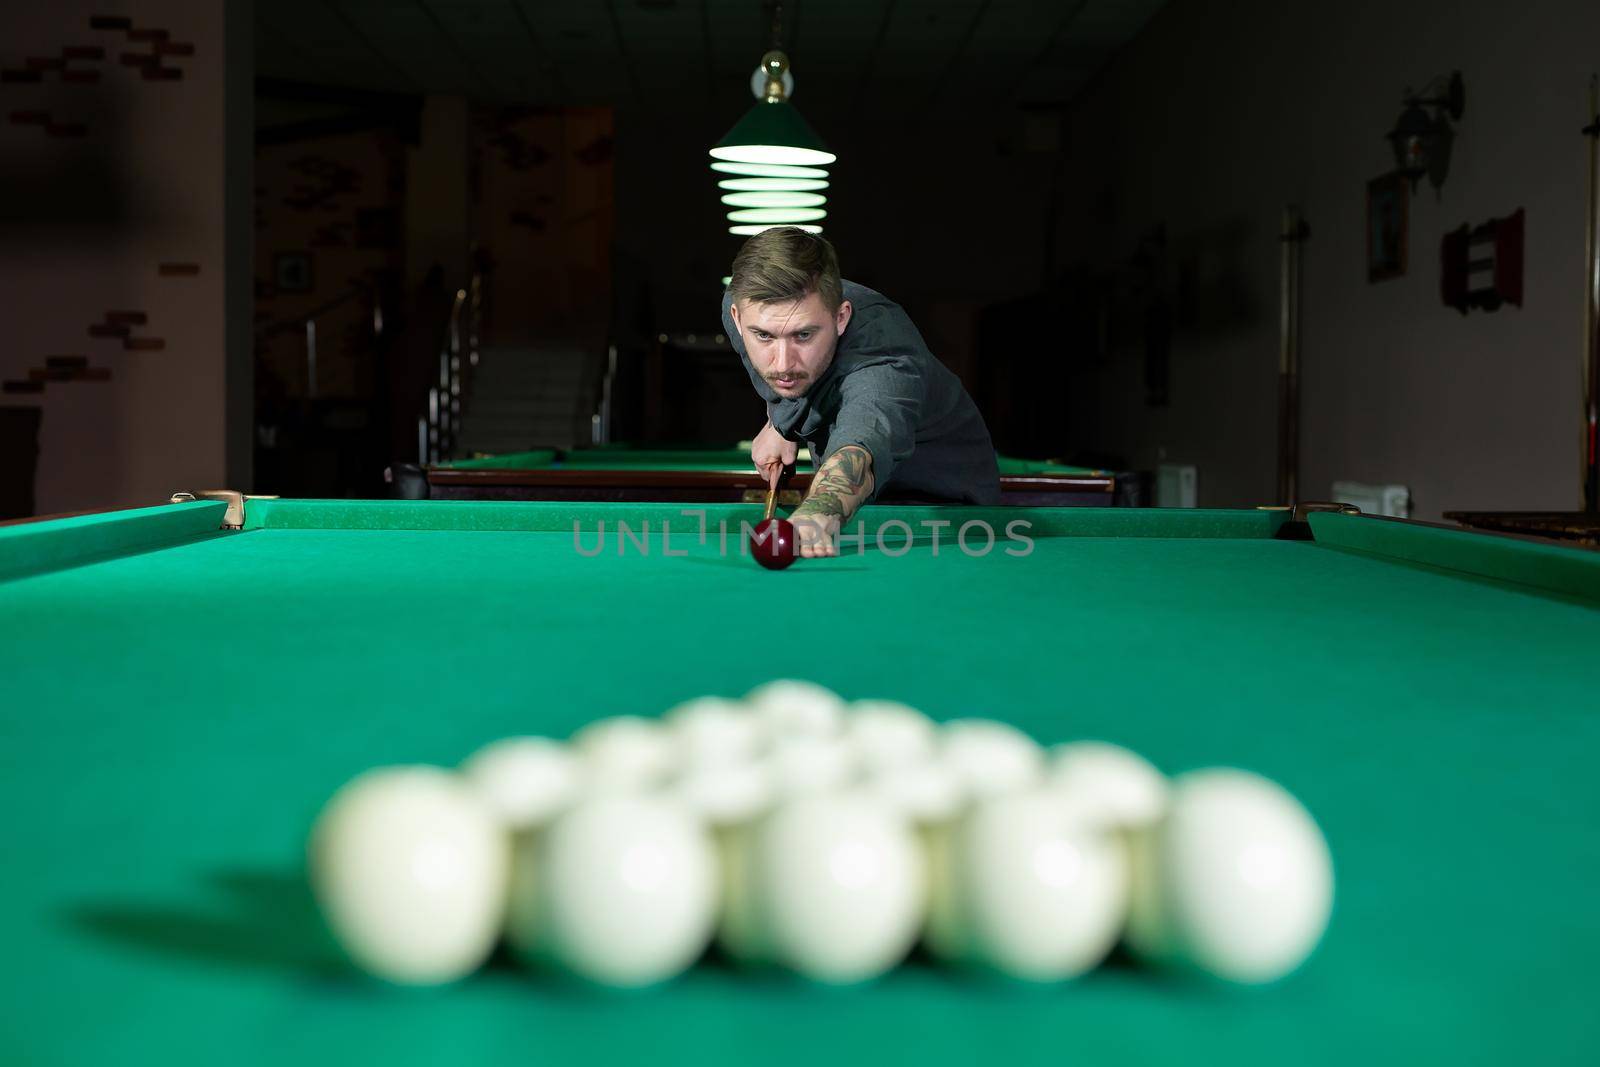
880,406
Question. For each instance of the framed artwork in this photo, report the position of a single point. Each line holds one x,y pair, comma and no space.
1386,227
291,272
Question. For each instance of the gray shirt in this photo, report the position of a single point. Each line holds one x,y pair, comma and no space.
885,392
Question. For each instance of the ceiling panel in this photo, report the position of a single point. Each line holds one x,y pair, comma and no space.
859,60
411,35
318,34
504,44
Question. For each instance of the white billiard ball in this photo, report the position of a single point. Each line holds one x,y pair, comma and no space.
728,799
1108,783
886,733
990,758
1236,880
741,926
803,763
788,707
625,753
629,888
923,792
713,731
1037,891
795,766
930,797
409,867
526,780
836,886
724,795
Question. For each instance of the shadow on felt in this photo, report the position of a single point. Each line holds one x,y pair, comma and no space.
255,919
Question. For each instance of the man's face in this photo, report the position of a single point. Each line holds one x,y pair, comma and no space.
791,344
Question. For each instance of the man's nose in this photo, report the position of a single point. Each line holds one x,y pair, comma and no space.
782,356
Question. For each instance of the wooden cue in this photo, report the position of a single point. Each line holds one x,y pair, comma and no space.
1290,238
1591,307
772,493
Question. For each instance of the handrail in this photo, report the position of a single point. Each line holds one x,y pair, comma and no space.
438,430
600,421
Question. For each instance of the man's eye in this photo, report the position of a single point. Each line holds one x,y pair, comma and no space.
803,335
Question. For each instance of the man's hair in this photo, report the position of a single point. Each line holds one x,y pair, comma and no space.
784,264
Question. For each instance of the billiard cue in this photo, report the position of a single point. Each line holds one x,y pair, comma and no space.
772,494
1290,238
1591,307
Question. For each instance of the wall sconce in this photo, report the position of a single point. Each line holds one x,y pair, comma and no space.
1421,142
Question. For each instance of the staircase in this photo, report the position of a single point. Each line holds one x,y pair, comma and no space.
534,397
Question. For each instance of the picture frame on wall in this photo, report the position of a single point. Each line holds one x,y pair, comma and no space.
1387,226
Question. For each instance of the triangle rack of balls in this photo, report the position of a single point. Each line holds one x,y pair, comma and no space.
790,828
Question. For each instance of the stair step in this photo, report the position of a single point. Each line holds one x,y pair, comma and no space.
532,428
501,412
526,392
489,381
494,417
515,405
535,355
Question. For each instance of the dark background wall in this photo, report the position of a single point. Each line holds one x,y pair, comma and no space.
124,245
1216,116
1022,177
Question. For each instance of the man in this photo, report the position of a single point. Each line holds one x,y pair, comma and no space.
843,369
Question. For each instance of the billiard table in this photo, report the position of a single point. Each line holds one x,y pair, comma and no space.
185,685
1573,527
720,475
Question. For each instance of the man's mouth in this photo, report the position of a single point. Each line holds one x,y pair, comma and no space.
786,383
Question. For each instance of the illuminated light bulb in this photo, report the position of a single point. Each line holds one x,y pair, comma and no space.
750,230
785,200
787,155
768,170
793,185
778,215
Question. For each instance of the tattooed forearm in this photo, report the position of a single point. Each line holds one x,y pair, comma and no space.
840,486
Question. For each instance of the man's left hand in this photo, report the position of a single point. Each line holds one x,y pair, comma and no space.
819,534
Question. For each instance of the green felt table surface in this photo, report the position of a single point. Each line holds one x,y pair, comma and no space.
177,703
693,459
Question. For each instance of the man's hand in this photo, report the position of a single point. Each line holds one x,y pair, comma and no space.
819,534
771,452
838,489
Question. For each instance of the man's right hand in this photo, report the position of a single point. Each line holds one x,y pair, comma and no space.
771,452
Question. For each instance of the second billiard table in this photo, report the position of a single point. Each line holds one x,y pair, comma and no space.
179,697
627,474
1578,528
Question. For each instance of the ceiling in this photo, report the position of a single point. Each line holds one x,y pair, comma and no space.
888,58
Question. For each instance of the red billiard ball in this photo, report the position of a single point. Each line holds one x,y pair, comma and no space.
774,543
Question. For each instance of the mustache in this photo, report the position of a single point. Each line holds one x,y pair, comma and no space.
797,376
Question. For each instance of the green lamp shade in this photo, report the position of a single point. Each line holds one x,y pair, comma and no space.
773,133
774,199
768,170
771,185
751,229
